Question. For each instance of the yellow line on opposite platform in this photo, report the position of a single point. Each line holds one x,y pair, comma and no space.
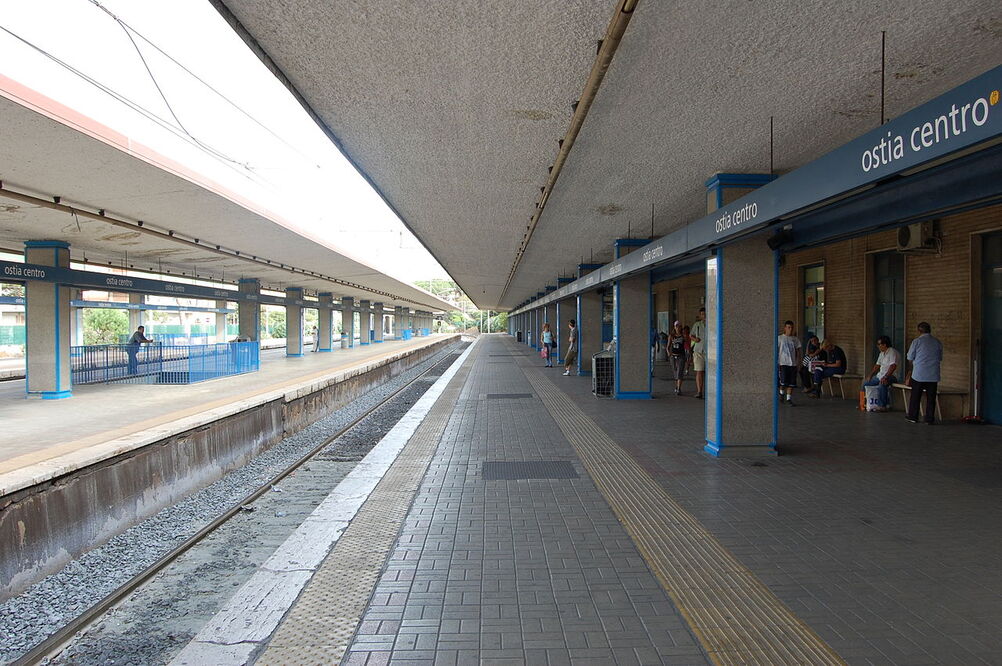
736,618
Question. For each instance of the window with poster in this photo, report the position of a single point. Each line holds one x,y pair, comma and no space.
814,302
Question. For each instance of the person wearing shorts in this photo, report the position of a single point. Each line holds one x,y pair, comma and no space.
697,336
789,359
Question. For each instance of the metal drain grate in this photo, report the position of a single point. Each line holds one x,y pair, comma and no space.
506,396
528,469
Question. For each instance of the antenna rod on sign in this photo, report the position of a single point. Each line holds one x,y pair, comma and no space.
652,220
629,233
883,61
772,168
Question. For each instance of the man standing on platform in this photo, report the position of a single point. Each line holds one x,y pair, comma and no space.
132,348
697,335
926,354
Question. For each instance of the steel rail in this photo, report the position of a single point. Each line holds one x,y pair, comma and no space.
58,641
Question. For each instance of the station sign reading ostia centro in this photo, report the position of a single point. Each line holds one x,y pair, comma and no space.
966,116
16,272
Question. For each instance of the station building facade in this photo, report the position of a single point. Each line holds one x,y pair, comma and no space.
848,253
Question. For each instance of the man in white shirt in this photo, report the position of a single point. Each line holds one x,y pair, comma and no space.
882,375
789,359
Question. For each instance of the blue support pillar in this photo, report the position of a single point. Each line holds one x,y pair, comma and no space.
742,295
325,321
47,321
348,319
249,309
293,321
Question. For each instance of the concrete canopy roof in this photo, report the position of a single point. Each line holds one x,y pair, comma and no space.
50,151
454,109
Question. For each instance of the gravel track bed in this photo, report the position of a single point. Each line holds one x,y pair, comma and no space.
162,616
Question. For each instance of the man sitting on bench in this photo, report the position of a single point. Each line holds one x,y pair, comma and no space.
835,364
882,374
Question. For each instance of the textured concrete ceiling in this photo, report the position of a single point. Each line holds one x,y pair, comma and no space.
49,151
453,109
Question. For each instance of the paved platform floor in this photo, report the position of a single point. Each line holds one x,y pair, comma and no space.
35,430
529,522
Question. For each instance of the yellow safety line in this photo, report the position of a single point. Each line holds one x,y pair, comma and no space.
736,618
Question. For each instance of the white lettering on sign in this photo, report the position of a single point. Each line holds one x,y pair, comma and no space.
653,253
118,282
590,280
736,218
949,125
175,288
615,270
24,272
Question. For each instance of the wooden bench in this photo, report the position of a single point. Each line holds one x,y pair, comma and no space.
854,380
940,392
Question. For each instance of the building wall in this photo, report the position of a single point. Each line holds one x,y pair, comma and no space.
939,289
691,295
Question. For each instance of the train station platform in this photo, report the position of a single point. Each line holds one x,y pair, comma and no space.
522,520
41,440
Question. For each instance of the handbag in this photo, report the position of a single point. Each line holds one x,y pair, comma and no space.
544,352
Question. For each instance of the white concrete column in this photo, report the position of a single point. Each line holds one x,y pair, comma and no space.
325,321
741,307
364,322
293,321
348,319
221,322
136,316
249,309
47,320
377,322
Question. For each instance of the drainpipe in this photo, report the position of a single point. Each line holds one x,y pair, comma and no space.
609,45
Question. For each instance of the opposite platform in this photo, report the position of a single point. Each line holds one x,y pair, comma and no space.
41,440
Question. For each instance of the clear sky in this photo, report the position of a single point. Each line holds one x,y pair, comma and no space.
242,130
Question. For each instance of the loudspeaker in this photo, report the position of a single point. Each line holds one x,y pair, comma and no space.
780,238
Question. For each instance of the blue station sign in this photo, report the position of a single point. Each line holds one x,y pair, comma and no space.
963,118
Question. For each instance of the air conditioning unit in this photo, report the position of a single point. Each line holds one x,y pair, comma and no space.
918,237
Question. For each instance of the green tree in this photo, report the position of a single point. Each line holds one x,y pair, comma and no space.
104,327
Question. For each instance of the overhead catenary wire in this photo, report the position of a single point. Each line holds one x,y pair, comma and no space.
130,29
135,106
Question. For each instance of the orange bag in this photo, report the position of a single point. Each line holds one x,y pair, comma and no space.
862,400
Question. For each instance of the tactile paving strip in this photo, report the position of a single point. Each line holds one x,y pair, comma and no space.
735,616
320,625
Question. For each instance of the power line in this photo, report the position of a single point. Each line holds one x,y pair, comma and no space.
156,84
128,28
135,106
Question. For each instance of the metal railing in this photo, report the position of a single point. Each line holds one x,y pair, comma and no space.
161,364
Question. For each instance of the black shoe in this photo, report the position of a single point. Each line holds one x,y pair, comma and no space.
791,403
930,423
911,420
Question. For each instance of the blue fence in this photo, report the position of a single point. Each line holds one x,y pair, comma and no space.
162,364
